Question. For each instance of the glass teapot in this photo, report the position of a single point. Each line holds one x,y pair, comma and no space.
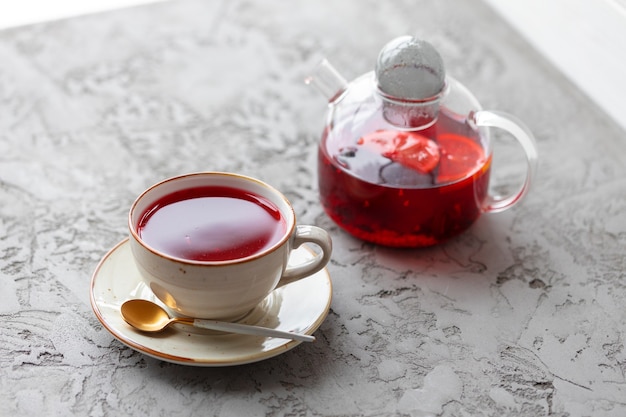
405,155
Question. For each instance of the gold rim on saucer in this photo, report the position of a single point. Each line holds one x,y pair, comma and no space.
301,307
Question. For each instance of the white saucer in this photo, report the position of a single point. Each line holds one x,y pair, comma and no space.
300,307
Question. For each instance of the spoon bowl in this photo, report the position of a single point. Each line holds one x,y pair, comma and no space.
150,317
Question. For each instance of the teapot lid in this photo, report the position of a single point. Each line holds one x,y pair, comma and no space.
410,69
410,79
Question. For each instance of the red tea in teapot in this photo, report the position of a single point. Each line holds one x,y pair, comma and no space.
404,189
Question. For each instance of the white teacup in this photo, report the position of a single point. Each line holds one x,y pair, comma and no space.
222,289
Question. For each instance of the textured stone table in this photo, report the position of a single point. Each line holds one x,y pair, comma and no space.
523,315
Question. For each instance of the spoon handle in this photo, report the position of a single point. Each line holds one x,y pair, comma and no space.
252,330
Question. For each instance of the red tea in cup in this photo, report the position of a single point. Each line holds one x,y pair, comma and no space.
211,223
215,244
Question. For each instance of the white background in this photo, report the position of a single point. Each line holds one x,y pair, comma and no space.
22,12
585,39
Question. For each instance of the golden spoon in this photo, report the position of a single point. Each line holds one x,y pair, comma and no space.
147,316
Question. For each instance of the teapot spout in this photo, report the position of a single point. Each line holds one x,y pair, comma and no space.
327,80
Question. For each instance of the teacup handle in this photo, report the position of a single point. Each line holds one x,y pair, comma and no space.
317,236
519,131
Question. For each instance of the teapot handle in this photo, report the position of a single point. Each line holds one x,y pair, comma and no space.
509,123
